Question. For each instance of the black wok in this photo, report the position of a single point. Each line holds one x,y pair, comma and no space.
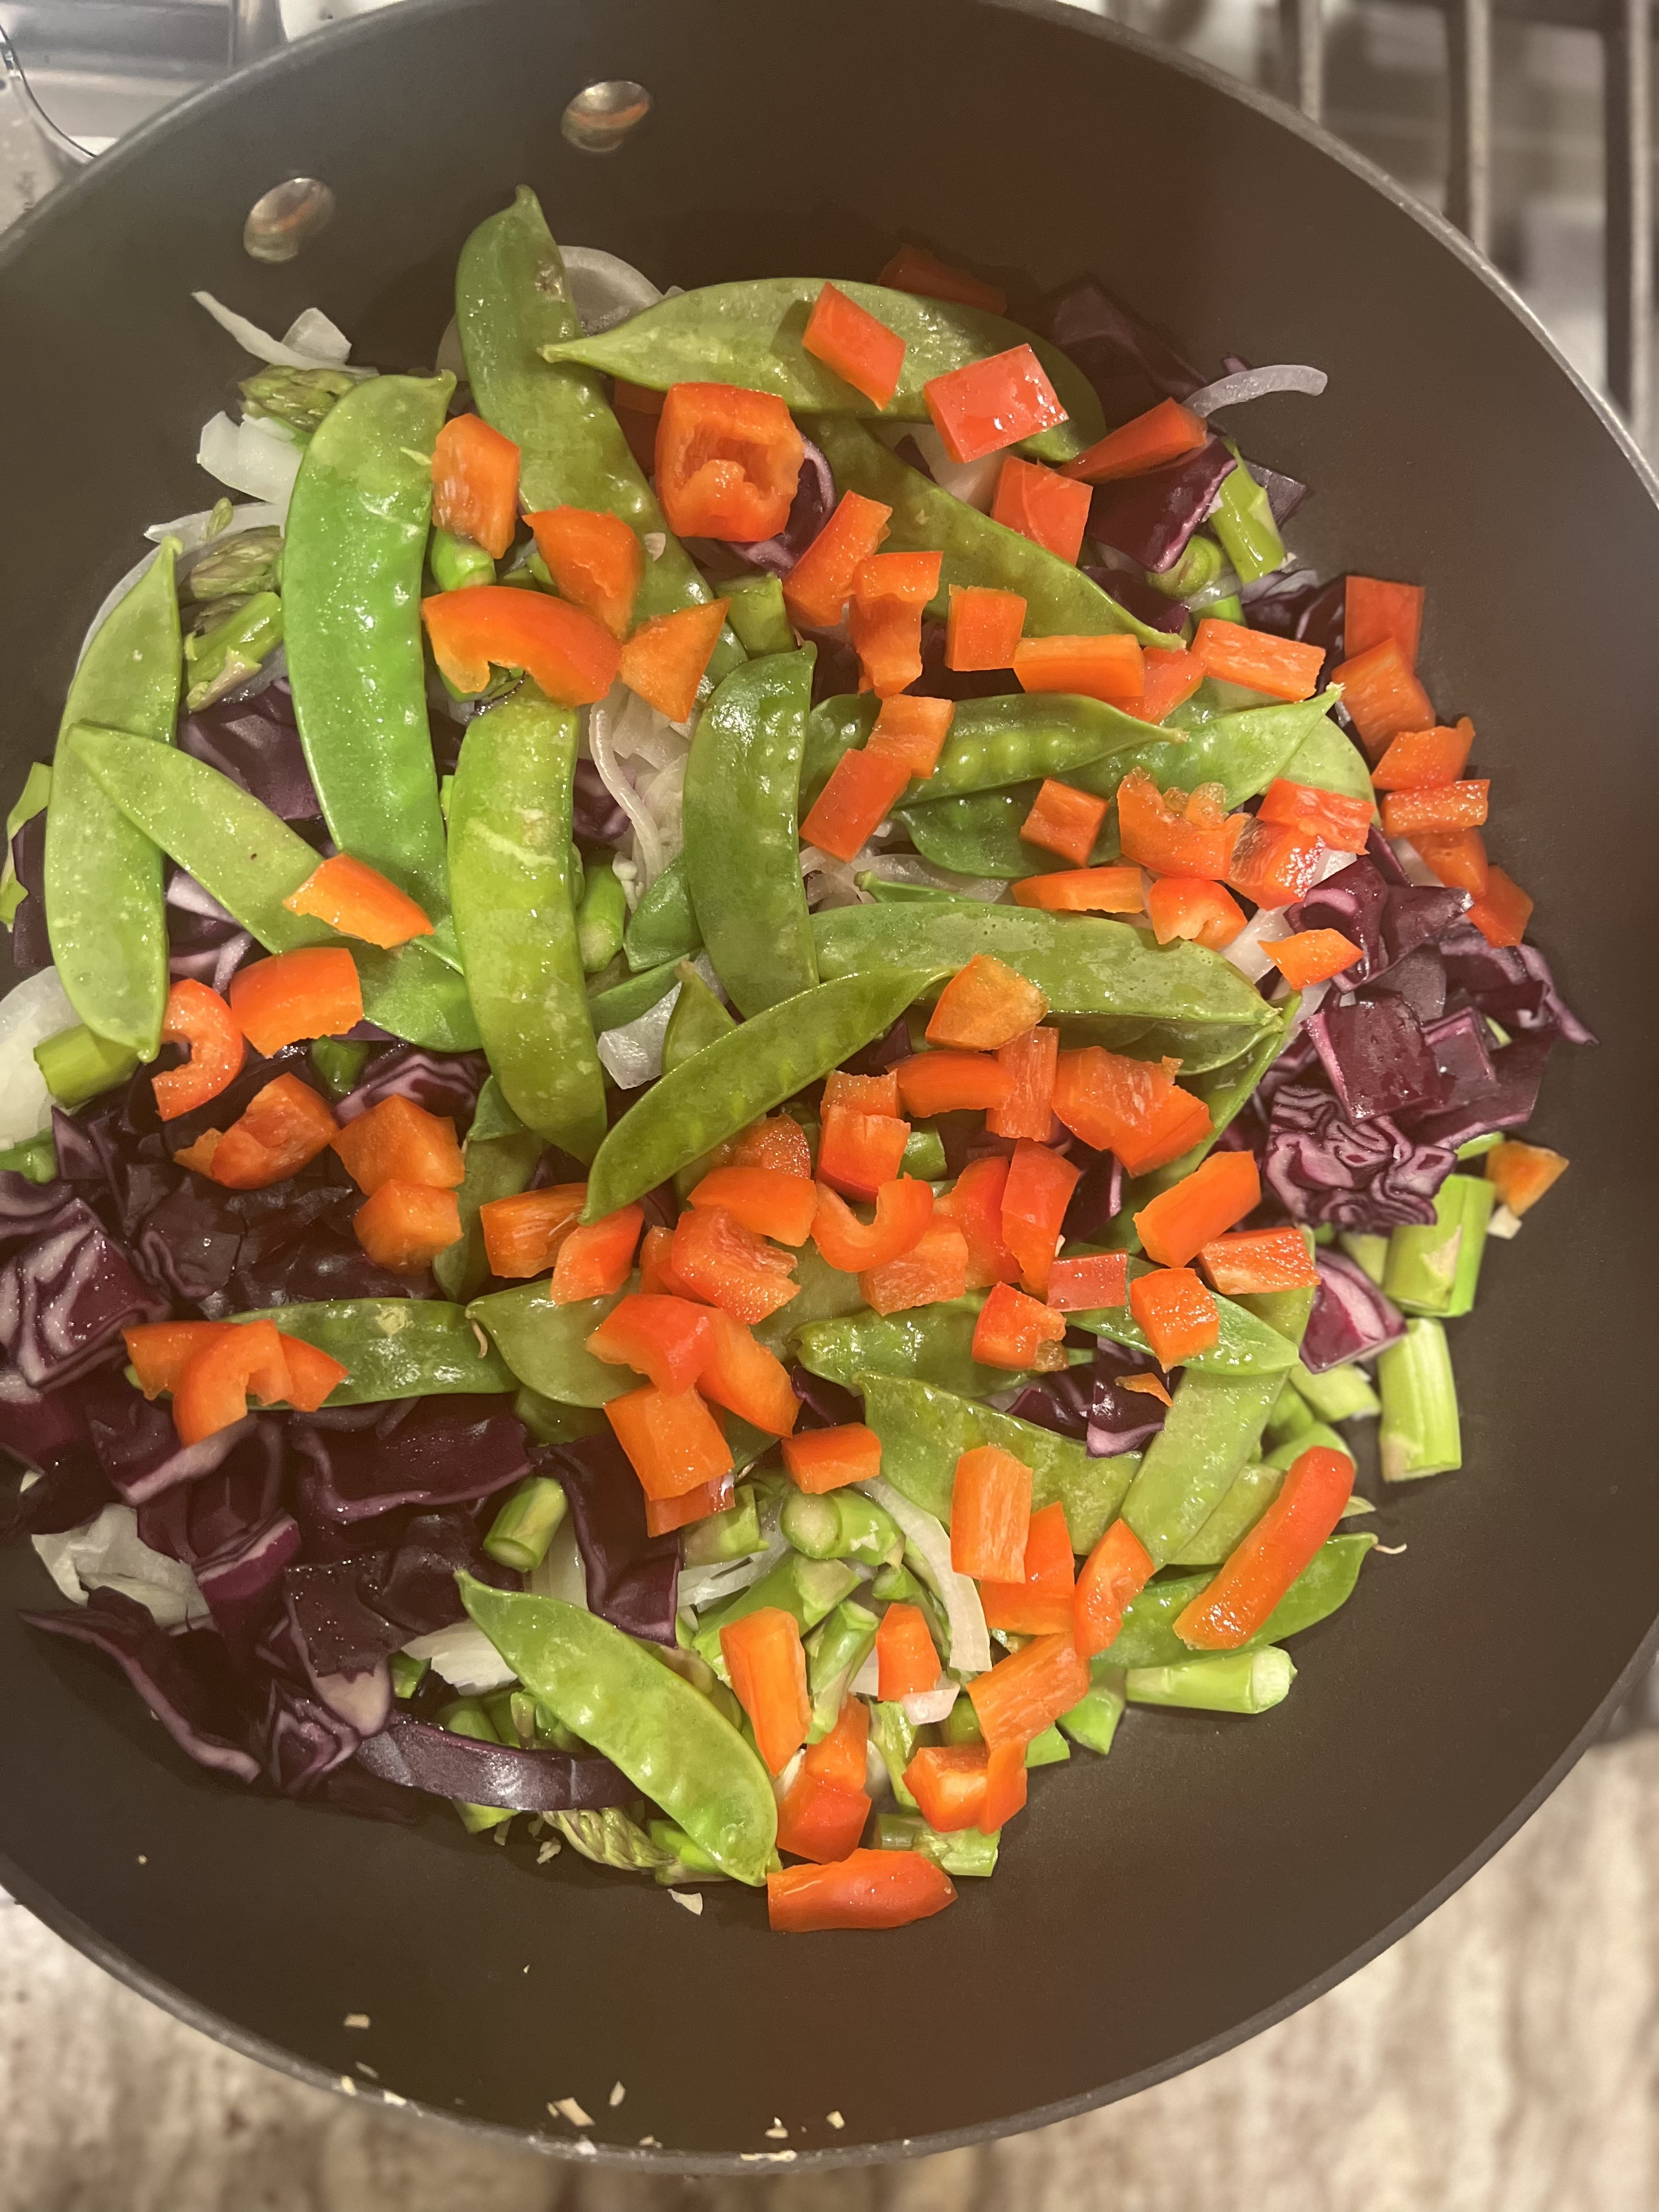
1211,1876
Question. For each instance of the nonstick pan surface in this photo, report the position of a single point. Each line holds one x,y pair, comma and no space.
1212,1875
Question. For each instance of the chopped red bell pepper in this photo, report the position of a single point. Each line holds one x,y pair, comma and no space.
1176,833
719,1260
1312,955
904,1207
766,1200
779,1142
1129,1107
863,789
595,559
405,1225
906,1661
1109,666
983,628
522,1234
665,660
1233,1608
990,1514
1115,889
763,1655
673,1443
859,1152
1176,1314
1418,760
821,1821
1041,504
1373,611
728,462
820,1460
866,1889
1447,806
1342,824
1065,820
947,1780
861,1093
1251,1259
951,1083
1274,865
985,1006
746,1378
199,1018
1519,1173
913,730
1005,1786
1502,910
313,1377
1089,1281
842,1756
1029,1691
1382,696
1279,667
1039,1601
1028,1110
281,1129
974,1203
294,995
889,590
475,483
1015,1333
1458,857
160,1351
1175,1226
914,268
663,1514
211,1390
595,1258
573,657
1162,433
817,589
1193,907
657,1276
934,1267
666,1340
399,1142
358,901
1034,1202
1114,1574
986,405
861,349
1168,680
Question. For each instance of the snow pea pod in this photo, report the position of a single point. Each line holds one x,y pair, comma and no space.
1147,1637
1330,762
733,1081
352,559
509,864
822,1293
925,1430
742,835
106,917
927,1344
250,861
697,1020
750,334
668,1739
664,927
512,298
1060,599
1245,1345
546,1346
395,1347
619,1003
991,742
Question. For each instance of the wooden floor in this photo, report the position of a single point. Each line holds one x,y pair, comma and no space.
1502,2058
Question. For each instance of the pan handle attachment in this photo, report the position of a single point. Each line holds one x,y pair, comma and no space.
63,155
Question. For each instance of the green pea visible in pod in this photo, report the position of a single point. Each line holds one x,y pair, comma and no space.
991,743
395,1347
1147,1637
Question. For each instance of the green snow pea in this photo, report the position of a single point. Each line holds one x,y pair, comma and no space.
1147,1637
758,614
601,918
1252,1491
1330,762
664,924
499,1157
925,1430
509,864
1245,1345
927,1344
738,1078
1092,1721
512,298
1060,600
824,1293
30,801
1105,983
250,861
395,1347
667,1738
750,334
991,743
104,914
352,562
1244,521
809,1590
698,1018
742,834
621,1003
545,1346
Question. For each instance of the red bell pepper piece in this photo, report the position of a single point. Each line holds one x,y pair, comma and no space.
666,1340
1129,1107
313,1377
986,405
1520,1173
1173,833
1005,1786
983,626
1232,1608
1029,1691
728,462
819,1459
889,592
861,1093
914,268
747,1379
817,589
848,339
673,1443
1418,760
358,901
1162,433
947,1780
906,1661
1034,1202
573,657
1176,1314
1114,1574
1280,667
595,559
1041,504
281,1130
657,1276
1250,1260
160,1351
913,730
1112,890
399,1142
777,1142
663,1514
719,1260
1373,611
1065,820
821,1821
664,661
842,1756
1382,694
1501,911
405,1225
595,1258
859,1152
211,1390
522,1234
866,1889
1028,1110
294,995
951,1083
974,1203
1447,806
934,1267
1108,667
1039,1601
475,483
766,1200
199,1018
1273,866
763,1657
863,789
1175,1226
1342,824
985,1006
1193,908
1312,955
1089,1281
1168,680
1016,1332
904,1207
990,1514
1458,857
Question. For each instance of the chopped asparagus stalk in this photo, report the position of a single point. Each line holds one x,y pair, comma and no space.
895,1584
467,1718
1286,1454
1291,1414
250,561
732,1534
1226,1682
1244,521
964,1853
1340,1393
77,1065
1419,1433
1195,571
840,1524
1434,1268
299,397
1477,1147
527,1523
836,1650
1369,1254
458,563
217,660
806,1589
895,1738
338,1063
1092,1721
407,1673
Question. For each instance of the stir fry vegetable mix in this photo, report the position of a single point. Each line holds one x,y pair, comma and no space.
724,1130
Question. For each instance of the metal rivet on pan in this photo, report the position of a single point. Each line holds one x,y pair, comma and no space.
599,119
287,218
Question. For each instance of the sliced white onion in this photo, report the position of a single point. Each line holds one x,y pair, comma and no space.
313,341
911,868
784,1781
252,456
561,1573
36,1009
1505,1224
1417,869
971,1641
878,1782
604,290
1249,952
866,1683
974,483
601,727
106,1553
1256,384
930,1706
311,333
632,1054
464,1657
700,1587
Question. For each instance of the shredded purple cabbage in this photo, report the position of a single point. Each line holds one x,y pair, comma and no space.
1376,1056
446,1083
1416,914
256,743
1291,602
415,1451
632,1577
1061,1401
1367,1175
814,503
1458,1045
1098,1198
303,1740
1419,979
1151,606
1150,518
596,818
1122,1420
1511,983
417,1755
1352,902
825,1404
1129,365
1351,1318
66,1298
1508,1103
